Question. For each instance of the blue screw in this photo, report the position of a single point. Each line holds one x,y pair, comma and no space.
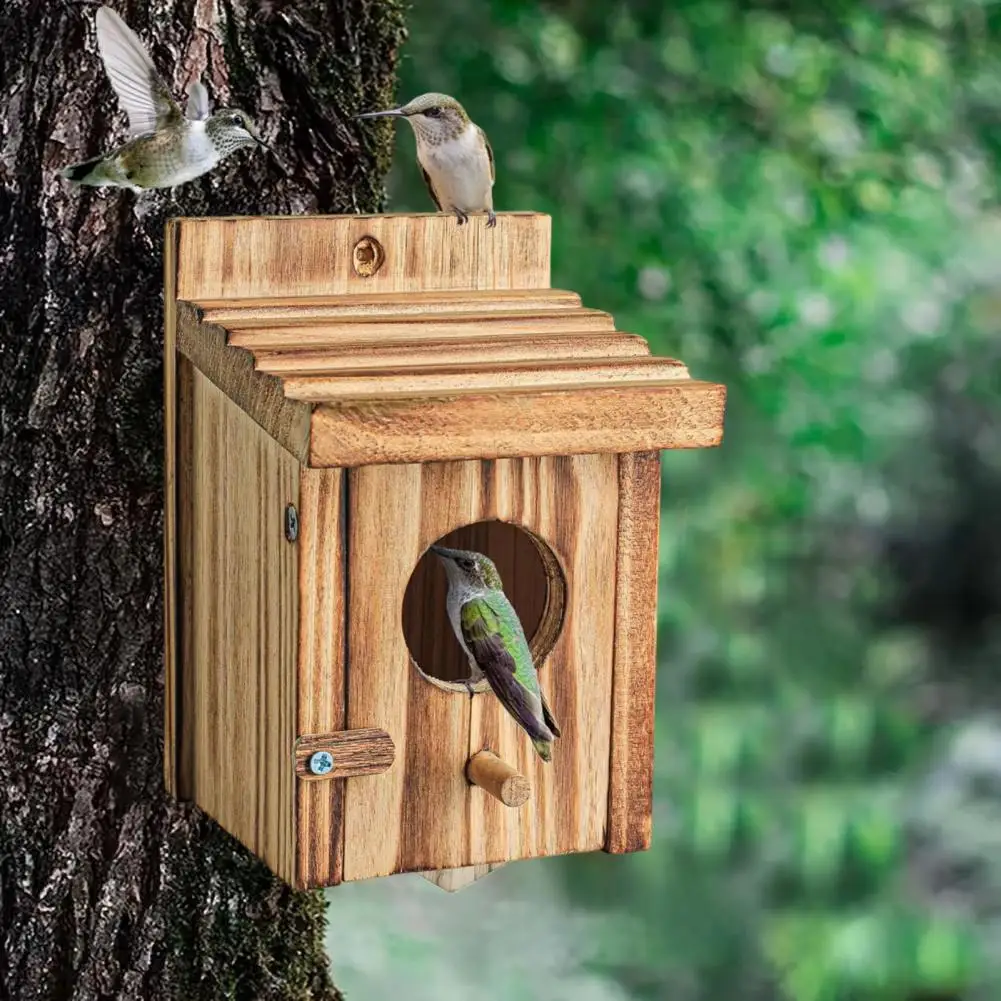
321,763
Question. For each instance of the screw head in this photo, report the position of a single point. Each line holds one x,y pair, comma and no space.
321,763
367,257
291,523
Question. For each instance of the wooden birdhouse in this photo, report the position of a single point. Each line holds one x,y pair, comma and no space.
343,392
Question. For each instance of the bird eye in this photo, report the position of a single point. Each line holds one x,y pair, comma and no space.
433,112
466,565
235,120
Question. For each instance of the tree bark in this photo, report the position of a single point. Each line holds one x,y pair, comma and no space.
107,888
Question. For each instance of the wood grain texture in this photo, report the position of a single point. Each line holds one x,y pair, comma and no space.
472,380
422,814
261,396
258,312
497,777
502,425
355,752
261,257
407,327
321,670
453,880
423,354
387,368
183,685
630,781
171,675
239,622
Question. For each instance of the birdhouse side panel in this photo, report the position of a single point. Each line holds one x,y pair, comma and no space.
238,594
422,814
630,792
321,689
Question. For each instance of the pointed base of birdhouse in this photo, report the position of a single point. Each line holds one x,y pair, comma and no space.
452,880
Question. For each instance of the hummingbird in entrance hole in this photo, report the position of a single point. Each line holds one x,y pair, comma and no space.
490,632
453,152
168,147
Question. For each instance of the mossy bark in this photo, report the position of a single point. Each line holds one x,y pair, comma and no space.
108,889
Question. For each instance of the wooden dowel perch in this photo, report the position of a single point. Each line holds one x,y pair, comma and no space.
486,770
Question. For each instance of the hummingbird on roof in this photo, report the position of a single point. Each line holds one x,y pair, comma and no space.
168,147
453,153
491,635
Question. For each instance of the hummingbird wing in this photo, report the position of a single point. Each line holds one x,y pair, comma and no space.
141,92
431,191
198,102
493,635
490,153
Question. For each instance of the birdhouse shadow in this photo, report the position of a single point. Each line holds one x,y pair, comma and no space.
533,581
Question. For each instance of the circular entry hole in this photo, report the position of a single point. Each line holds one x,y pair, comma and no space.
533,582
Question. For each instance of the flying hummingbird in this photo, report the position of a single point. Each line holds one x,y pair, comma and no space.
167,147
490,632
453,152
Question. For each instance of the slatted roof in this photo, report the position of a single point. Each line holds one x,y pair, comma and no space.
484,373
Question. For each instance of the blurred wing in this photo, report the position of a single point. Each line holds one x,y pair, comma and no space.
434,197
490,154
142,93
198,102
485,632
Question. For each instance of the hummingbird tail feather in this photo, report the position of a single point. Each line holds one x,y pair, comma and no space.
544,748
85,172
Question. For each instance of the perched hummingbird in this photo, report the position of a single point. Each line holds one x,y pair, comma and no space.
453,152
167,147
490,632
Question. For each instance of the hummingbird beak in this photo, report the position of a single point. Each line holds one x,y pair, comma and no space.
392,113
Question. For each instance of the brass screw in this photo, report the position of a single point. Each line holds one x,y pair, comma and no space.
368,257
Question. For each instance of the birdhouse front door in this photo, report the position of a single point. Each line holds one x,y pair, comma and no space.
422,813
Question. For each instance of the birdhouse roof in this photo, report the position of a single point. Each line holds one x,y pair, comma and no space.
374,376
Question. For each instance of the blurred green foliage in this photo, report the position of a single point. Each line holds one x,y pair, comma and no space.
798,201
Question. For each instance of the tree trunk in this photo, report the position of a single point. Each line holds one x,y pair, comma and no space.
107,888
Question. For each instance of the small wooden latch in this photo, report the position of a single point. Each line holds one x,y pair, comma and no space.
351,752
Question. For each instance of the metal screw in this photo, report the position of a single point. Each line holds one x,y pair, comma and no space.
367,257
291,523
321,763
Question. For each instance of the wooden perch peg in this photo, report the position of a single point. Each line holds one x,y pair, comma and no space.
497,777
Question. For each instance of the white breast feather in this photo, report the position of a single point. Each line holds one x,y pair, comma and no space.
460,172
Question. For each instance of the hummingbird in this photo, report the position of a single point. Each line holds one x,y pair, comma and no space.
491,635
453,153
168,147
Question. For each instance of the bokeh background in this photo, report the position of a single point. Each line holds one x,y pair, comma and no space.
800,201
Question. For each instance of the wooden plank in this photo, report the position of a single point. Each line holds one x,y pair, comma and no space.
260,396
257,312
571,504
183,687
633,418
630,787
423,354
426,784
422,814
240,623
171,676
260,257
462,326
321,689
472,380
353,752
